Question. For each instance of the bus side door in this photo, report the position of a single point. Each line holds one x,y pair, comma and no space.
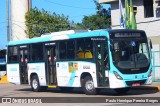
50,52
102,62
23,65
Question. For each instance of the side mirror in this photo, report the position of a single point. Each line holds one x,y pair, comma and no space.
150,43
111,47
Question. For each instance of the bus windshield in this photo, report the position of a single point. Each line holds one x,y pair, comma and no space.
130,53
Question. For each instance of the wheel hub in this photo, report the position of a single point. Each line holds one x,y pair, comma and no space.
89,85
35,84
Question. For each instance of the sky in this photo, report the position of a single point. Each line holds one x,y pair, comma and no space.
74,9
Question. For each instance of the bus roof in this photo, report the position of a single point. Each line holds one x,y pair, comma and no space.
48,38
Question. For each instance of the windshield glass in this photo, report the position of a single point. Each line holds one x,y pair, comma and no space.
130,54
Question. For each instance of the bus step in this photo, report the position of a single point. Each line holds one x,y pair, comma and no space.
52,86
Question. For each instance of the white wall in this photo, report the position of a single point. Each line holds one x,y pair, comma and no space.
151,26
18,10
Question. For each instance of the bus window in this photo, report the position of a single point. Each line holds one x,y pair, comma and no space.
88,48
37,52
80,48
13,54
84,48
67,50
62,50
70,49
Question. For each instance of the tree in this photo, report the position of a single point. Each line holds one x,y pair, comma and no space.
101,20
39,22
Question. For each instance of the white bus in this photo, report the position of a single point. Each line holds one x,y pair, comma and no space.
116,59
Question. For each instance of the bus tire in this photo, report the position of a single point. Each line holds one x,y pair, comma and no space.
35,84
88,86
122,90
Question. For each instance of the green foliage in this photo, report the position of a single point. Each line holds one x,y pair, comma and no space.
39,22
101,20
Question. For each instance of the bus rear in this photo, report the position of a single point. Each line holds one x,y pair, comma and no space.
130,60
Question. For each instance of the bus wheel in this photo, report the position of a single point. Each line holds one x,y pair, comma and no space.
88,86
122,90
35,84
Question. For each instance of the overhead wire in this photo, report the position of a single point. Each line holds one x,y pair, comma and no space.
70,6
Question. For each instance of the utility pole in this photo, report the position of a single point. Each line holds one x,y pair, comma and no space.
7,19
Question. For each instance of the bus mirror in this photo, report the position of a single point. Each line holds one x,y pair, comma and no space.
111,47
150,43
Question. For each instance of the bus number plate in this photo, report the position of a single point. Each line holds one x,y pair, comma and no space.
136,84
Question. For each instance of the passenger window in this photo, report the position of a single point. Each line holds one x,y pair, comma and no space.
37,52
13,54
67,49
84,48
70,49
62,50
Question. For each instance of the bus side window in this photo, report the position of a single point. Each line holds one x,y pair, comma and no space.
80,48
70,49
84,48
13,54
88,48
62,50
37,52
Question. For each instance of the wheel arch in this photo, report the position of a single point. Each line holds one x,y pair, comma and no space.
31,75
83,75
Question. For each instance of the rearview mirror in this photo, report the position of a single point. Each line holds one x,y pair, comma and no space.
150,44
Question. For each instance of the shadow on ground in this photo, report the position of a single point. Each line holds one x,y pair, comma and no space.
102,92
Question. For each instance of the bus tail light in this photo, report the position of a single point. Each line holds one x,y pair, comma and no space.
150,73
117,75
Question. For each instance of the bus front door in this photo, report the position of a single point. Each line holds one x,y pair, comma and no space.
23,66
51,65
102,63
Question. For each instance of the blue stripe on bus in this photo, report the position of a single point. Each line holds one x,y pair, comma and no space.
72,78
13,69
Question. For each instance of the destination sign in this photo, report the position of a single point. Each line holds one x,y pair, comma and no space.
23,46
127,35
49,44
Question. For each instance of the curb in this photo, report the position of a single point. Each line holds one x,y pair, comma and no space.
157,88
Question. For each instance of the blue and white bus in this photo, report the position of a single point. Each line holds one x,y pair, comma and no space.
116,59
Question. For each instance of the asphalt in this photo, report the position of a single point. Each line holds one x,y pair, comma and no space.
153,86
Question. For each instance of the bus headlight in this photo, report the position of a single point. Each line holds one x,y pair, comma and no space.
150,73
117,75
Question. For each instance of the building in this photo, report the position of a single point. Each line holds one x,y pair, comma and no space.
147,14
18,8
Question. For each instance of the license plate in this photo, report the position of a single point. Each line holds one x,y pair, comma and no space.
136,84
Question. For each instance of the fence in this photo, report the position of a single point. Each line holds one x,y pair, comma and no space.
156,66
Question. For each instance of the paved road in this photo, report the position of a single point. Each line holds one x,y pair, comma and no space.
10,90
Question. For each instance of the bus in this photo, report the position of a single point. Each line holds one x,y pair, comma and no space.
2,63
118,59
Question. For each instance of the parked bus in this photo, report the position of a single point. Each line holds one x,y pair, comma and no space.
116,59
2,62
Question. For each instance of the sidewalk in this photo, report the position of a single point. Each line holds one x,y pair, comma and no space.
153,86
